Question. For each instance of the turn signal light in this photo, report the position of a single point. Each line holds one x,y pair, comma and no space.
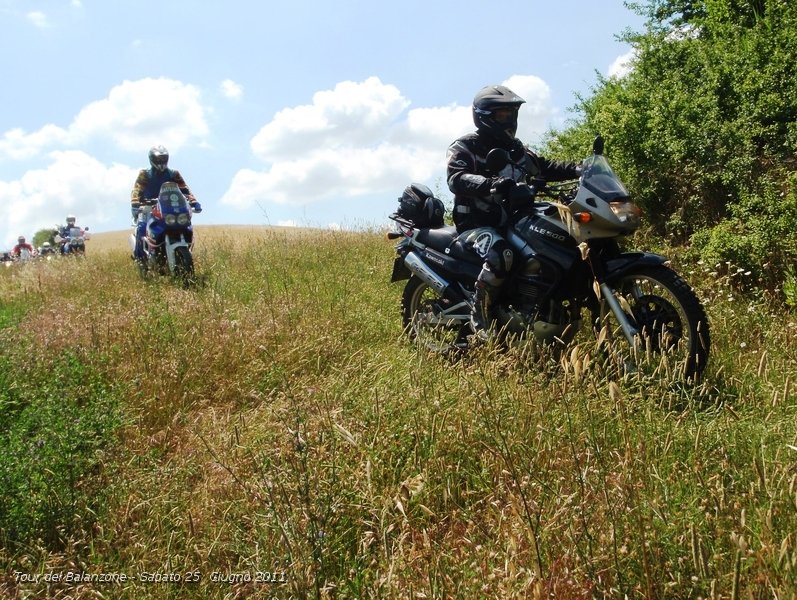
583,217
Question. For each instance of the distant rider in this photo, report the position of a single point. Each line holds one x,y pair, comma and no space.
63,233
16,251
476,209
148,185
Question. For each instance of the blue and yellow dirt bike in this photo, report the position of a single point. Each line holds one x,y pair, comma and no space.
169,236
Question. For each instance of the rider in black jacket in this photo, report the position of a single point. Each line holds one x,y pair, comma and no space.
476,209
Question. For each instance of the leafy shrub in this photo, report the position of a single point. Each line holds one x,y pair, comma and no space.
702,130
790,287
760,235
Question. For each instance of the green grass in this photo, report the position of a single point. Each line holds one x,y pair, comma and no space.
275,419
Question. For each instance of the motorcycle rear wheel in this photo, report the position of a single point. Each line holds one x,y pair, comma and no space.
422,310
674,336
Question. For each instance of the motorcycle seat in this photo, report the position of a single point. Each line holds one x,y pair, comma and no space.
439,239
447,241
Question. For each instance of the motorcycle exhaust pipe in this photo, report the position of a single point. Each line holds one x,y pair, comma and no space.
429,277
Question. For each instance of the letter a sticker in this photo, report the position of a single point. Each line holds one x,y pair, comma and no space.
483,243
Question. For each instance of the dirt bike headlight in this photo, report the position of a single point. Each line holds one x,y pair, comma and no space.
170,219
626,212
183,219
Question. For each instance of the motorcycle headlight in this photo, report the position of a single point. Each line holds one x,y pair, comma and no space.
183,219
170,219
626,212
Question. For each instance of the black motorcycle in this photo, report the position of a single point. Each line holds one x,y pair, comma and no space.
570,264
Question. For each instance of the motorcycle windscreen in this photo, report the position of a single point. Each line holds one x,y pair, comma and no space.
598,177
172,201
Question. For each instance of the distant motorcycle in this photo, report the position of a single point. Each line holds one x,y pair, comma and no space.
7,259
569,261
72,240
169,236
46,251
24,255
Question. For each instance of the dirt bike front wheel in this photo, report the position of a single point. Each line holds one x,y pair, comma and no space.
183,265
673,328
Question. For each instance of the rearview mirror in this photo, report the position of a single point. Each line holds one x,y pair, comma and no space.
497,159
597,145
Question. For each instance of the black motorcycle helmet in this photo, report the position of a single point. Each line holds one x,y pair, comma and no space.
495,111
158,158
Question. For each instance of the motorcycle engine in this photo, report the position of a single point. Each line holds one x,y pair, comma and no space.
530,308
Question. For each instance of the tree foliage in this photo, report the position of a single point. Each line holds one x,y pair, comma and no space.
704,128
43,235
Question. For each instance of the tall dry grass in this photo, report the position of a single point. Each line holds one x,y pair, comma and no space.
275,423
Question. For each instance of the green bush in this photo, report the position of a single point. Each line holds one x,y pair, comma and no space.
702,130
759,236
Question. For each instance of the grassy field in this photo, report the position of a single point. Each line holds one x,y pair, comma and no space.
271,433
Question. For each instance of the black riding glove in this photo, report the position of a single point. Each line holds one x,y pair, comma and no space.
503,185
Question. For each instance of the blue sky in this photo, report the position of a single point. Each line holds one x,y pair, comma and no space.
303,113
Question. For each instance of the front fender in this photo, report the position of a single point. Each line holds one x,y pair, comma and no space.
617,267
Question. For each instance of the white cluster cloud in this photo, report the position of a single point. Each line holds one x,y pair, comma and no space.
356,139
38,18
360,138
135,114
622,65
351,114
230,89
43,197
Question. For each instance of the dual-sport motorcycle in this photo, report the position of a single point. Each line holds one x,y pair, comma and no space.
570,263
73,241
24,256
169,236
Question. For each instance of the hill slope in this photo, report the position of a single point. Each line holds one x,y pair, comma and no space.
273,432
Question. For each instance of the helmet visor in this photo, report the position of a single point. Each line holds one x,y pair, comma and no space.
506,115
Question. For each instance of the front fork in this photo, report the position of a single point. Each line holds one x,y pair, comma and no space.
613,269
171,247
629,331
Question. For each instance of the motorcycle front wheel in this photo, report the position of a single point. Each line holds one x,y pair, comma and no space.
143,268
674,336
432,321
183,265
